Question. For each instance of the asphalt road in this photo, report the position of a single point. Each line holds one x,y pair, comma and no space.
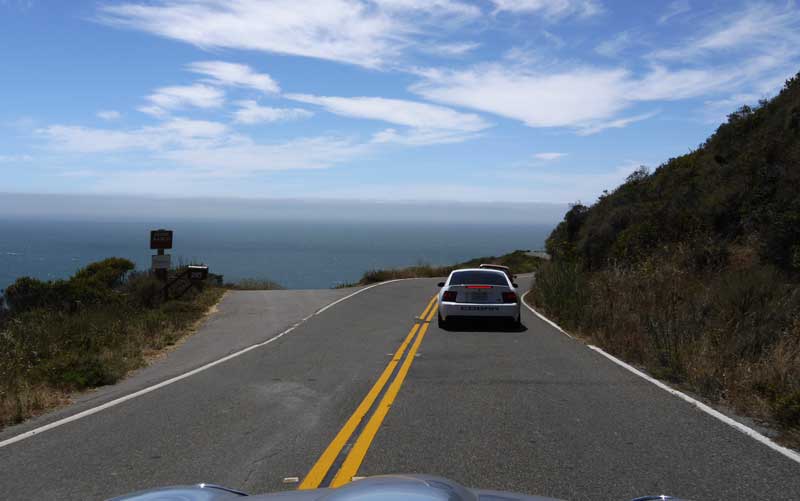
529,410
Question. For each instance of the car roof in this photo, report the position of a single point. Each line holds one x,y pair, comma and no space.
484,270
497,266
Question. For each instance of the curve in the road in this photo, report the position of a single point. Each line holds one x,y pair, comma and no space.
162,384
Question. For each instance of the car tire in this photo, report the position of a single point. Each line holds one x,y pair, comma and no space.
440,322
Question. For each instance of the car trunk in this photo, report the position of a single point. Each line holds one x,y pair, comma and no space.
479,294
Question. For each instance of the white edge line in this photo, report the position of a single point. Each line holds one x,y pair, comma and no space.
144,391
794,456
552,324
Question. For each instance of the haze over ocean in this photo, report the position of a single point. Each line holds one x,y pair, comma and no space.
296,254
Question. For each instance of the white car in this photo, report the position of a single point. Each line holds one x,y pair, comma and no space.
478,292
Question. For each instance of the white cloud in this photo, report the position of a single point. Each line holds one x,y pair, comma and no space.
614,46
675,8
176,132
15,158
165,99
250,112
248,157
618,123
361,32
209,148
422,137
437,7
588,99
413,114
758,27
452,49
550,8
547,99
109,114
549,156
241,75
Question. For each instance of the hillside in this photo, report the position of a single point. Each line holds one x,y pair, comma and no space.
520,261
693,270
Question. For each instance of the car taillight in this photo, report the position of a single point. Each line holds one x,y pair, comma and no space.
509,297
449,296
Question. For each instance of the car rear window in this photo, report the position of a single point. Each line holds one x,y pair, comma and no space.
478,278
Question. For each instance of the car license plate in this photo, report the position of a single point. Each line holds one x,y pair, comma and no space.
478,297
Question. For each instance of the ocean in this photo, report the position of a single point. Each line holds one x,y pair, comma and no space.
296,254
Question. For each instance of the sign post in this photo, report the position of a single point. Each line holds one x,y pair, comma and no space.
160,240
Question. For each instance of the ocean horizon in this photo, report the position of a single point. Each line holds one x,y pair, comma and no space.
298,254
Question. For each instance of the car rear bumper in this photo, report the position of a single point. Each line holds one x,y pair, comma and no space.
507,310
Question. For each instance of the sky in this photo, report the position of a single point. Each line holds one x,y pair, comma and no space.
514,101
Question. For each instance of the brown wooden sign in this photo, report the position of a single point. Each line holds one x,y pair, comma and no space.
161,239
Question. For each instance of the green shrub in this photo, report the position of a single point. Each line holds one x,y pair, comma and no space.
27,293
84,332
145,289
108,273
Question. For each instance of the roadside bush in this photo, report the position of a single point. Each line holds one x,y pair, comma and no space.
27,293
108,273
561,287
85,332
732,336
145,289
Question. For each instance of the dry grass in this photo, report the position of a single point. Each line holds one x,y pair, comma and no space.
733,336
46,354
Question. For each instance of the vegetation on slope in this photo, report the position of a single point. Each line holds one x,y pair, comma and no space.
90,330
520,261
694,270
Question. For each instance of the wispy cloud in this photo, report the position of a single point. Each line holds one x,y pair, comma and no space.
618,123
166,99
616,45
241,75
211,148
249,157
15,158
109,115
587,98
429,123
554,9
759,27
674,9
422,137
455,49
360,32
549,156
546,99
250,112
398,111
175,132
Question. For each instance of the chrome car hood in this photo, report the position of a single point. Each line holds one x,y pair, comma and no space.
384,488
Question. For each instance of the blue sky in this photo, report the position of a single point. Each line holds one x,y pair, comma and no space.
499,100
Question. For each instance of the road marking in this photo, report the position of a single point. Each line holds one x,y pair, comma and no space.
144,391
552,324
356,455
794,456
291,480
321,468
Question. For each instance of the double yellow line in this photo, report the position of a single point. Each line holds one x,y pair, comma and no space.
355,455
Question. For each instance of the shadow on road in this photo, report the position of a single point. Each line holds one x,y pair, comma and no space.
483,325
